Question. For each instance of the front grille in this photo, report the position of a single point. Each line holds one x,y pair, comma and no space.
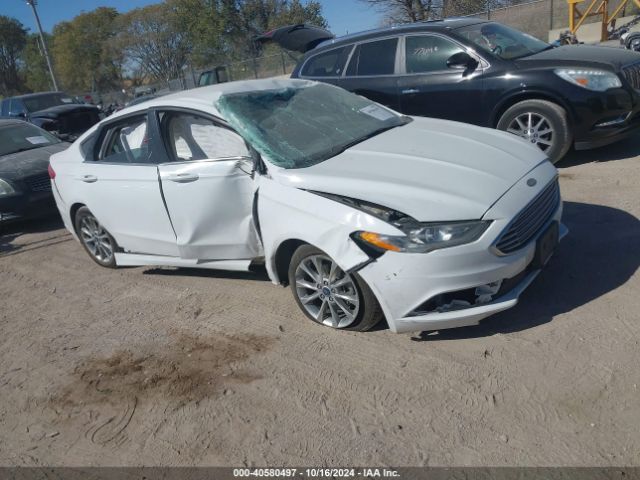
632,75
39,183
530,220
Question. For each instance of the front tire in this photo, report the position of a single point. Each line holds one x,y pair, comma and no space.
542,123
97,242
328,295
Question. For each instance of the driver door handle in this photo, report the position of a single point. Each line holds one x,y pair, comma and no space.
410,90
183,177
89,178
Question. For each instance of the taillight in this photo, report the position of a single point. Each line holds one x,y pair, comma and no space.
52,172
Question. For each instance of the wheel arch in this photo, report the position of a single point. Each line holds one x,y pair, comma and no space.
282,259
517,97
73,210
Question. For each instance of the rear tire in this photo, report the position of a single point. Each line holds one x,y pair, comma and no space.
543,123
97,242
328,295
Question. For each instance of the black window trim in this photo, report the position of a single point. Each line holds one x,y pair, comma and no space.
106,129
483,64
312,57
396,64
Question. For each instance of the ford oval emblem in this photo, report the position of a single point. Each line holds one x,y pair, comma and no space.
532,182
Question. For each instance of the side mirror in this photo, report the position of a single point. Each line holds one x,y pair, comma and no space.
462,60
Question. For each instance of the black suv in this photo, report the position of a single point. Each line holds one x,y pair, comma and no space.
53,111
483,73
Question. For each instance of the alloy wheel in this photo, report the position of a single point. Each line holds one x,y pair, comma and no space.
534,128
326,292
96,239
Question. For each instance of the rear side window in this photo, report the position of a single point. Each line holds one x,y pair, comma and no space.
327,64
374,58
428,53
127,142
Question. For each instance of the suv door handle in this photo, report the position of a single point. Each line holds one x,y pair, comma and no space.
183,177
89,178
410,90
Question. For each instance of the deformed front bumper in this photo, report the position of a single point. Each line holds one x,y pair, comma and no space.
459,286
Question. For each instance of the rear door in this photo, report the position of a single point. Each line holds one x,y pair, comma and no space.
371,71
208,187
119,184
429,88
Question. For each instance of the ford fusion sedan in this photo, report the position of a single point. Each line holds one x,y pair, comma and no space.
25,189
483,73
365,213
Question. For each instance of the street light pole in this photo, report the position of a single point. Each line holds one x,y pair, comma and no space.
33,4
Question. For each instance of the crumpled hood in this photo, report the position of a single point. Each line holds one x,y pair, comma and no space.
60,110
430,169
30,162
582,55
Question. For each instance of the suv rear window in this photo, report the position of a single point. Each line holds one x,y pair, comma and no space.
374,58
327,64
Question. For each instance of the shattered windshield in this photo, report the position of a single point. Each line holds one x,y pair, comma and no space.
300,126
504,42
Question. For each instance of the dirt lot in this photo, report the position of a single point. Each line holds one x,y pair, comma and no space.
146,366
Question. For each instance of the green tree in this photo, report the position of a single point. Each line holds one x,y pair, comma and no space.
83,50
13,39
154,40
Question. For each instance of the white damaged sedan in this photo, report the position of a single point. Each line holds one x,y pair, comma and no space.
365,213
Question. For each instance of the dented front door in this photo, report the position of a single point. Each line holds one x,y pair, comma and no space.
208,189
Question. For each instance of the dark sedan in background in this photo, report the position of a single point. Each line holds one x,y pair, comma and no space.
25,187
482,73
55,112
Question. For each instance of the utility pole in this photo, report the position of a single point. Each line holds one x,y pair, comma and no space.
33,4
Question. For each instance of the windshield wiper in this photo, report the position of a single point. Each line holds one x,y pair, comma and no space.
548,47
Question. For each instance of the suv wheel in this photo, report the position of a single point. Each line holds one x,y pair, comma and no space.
98,243
540,122
330,296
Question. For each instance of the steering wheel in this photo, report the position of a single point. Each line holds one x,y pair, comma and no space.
497,50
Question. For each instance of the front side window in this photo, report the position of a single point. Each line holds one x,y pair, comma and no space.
428,53
327,64
296,127
128,142
374,58
502,41
190,137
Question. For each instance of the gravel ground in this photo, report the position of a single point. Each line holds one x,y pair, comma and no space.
147,366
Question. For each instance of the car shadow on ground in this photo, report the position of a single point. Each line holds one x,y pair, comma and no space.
258,273
622,150
600,254
12,231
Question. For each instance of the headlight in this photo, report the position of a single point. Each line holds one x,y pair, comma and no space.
591,79
425,237
5,188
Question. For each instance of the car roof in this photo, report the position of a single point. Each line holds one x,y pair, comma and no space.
451,23
205,98
39,94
